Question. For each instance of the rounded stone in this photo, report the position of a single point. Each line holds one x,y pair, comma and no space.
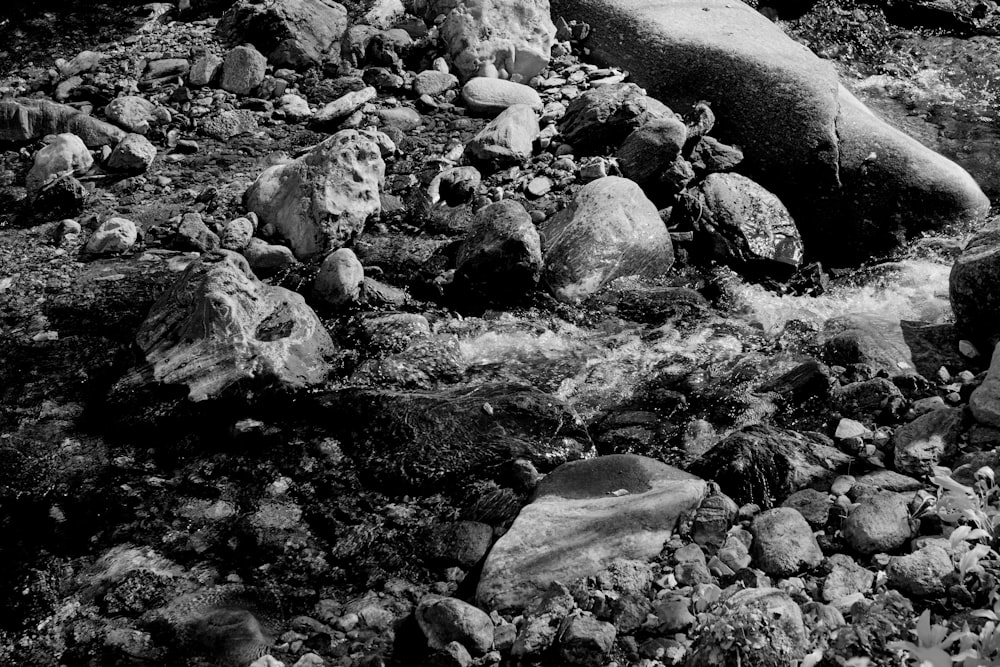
784,543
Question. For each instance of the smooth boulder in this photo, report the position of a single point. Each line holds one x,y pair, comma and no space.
491,96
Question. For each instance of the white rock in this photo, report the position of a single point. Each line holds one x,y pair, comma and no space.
507,140
133,153
63,153
114,236
132,113
295,108
340,277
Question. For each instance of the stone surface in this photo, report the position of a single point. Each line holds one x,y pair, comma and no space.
342,107
432,82
783,543
585,515
920,445
501,258
880,522
24,120
921,573
507,140
321,200
135,153
808,140
606,115
204,70
62,154
237,234
649,150
295,107
228,124
491,96
586,641
194,234
463,543
813,505
846,577
985,400
242,70
133,113
609,230
444,620
340,277
218,325
972,286
265,257
115,235
291,33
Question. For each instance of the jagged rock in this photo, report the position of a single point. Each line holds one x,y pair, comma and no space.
783,543
134,153
854,183
421,440
586,641
340,277
342,107
609,230
507,140
880,522
648,151
584,516
972,286
764,464
293,33
63,153
501,258
23,120
543,617
134,113
227,124
444,620
115,235
321,200
242,70
711,156
492,96
204,70
920,445
922,573
218,325
606,115
746,223
512,38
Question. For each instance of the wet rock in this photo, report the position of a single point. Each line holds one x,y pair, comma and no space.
237,234
783,543
846,577
971,283
868,339
492,96
194,234
204,70
609,230
432,82
265,257
648,151
813,505
888,480
710,156
608,114
227,124
115,235
507,140
920,445
713,519
868,400
242,70
586,641
922,573
511,37
133,154
445,620
321,200
218,325
764,464
336,111
463,543
63,153
810,141
880,522
747,223
585,515
339,279
23,120
133,113
501,258
423,440
454,186
809,379
292,33
985,400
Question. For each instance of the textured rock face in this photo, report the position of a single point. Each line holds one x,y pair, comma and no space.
291,33
784,543
608,114
502,256
64,153
219,325
115,235
243,70
25,120
879,523
610,230
507,140
514,36
808,139
321,201
973,285
585,515
444,620
132,113
134,153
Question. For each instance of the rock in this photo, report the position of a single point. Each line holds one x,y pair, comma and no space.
292,33
747,223
492,96
713,519
609,230
921,573
880,522
60,197
501,258
134,154
674,615
887,480
405,118
336,111
219,326
166,67
452,655
764,464
919,446
507,140
649,150
864,338
454,186
231,636
710,156
586,641
868,400
237,234
242,70
543,617
511,37
973,276
606,115
227,124
783,543
265,257
295,108
425,440
133,113
63,153
813,505
769,624
846,578
691,568
339,279
194,234
811,142
463,543
321,200
115,235
204,70
23,120
85,61
585,515
445,620
985,400
432,82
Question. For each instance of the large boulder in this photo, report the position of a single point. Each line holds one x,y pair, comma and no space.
855,183
610,230
24,120
291,33
501,258
973,285
585,515
218,325
512,36
321,200
64,153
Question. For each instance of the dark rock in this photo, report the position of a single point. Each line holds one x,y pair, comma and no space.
783,543
463,543
23,120
880,522
586,641
292,33
920,445
608,114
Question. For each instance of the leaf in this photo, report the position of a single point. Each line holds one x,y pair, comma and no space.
948,484
984,613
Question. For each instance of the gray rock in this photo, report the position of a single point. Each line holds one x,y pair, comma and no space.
134,153
265,257
648,151
115,235
194,234
204,70
492,96
813,505
880,522
710,156
783,543
501,258
405,118
691,568
846,578
543,617
462,543
608,114
609,230
985,400
237,234
444,620
921,573
339,109
972,283
586,641
243,70
227,124
507,140
294,107
432,82
24,120
454,186
339,279
865,401
134,113
920,445
293,33
63,153
164,67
